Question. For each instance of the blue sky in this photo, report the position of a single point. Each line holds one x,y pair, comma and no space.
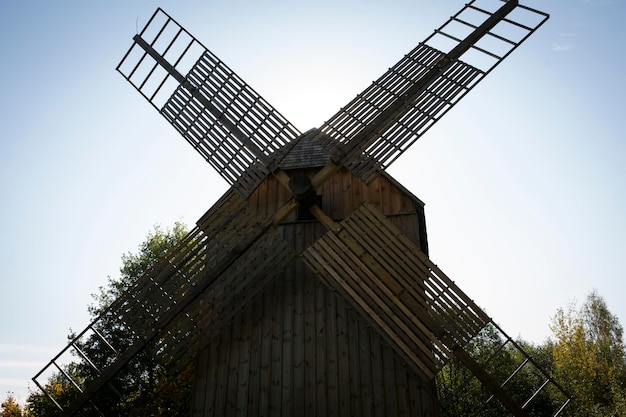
523,180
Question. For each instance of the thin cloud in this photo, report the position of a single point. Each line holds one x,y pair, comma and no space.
565,42
599,2
4,364
559,47
25,348
13,383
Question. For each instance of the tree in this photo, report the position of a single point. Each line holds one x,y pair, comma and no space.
461,394
11,408
589,357
146,387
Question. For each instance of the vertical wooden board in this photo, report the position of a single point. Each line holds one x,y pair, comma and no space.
343,358
331,194
265,356
374,194
298,337
354,363
376,357
332,388
365,364
310,341
233,369
400,383
309,348
276,347
320,350
427,391
211,371
358,190
201,385
385,196
283,196
287,346
254,374
272,194
243,377
397,199
415,397
389,378
411,225
298,236
325,191
221,391
347,193
336,186
409,204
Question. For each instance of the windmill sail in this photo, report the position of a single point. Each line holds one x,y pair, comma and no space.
397,109
224,119
237,250
421,312
174,307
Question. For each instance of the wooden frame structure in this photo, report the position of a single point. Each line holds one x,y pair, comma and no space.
282,311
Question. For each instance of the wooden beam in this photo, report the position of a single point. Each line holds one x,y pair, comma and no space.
406,101
490,383
195,92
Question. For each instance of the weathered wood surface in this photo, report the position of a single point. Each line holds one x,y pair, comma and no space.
224,119
343,193
423,314
300,350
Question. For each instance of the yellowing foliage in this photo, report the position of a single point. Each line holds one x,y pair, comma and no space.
589,357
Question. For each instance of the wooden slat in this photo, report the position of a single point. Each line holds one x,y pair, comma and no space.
338,274
418,308
388,291
386,118
240,284
365,363
320,348
343,372
265,354
403,289
395,244
298,364
378,398
365,359
225,120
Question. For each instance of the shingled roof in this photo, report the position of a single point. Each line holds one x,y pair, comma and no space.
305,153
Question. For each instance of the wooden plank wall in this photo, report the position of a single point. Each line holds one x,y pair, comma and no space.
343,193
300,349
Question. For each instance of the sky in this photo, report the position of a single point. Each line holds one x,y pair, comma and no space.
523,180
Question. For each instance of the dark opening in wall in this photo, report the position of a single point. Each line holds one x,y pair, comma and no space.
304,214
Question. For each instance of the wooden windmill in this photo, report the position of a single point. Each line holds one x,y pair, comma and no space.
307,286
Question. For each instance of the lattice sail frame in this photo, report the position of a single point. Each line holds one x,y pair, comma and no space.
415,304
234,129
421,312
243,138
368,153
178,304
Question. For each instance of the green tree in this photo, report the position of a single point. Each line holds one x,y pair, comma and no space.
10,407
146,387
590,358
461,394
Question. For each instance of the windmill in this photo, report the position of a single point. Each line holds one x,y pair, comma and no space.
314,263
